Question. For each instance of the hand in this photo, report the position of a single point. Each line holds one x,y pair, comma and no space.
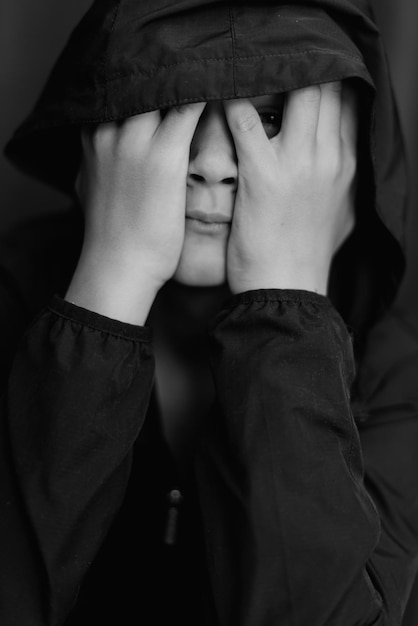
132,185
295,199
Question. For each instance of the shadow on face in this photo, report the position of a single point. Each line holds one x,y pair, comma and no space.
211,187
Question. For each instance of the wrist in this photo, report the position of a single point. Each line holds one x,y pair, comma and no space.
316,282
112,288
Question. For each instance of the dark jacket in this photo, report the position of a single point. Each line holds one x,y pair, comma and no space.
131,57
301,505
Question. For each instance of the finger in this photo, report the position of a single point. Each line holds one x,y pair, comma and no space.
250,139
301,116
349,117
179,124
97,137
141,127
329,122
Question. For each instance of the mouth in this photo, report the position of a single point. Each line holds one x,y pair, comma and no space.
208,223
209,218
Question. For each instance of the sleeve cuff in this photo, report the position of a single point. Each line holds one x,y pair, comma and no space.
277,295
96,321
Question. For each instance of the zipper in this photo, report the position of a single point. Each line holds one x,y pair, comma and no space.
174,498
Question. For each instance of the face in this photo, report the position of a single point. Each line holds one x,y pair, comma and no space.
211,187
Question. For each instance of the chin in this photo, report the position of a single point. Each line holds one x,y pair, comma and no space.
199,276
201,265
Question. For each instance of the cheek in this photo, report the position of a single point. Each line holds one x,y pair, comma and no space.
202,261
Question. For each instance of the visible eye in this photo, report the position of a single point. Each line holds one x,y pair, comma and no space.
271,120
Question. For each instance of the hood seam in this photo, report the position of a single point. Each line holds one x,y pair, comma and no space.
157,68
234,49
164,104
106,56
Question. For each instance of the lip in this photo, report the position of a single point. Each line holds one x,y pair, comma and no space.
209,218
213,224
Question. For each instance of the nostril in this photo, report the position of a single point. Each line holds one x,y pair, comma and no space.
197,178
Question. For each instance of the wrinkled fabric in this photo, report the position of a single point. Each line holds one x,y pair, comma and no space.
126,58
275,524
131,57
301,507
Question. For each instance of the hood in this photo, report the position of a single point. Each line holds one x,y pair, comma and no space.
132,56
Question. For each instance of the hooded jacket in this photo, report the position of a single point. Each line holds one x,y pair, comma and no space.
125,58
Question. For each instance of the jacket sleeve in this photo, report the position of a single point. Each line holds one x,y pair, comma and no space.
292,533
76,399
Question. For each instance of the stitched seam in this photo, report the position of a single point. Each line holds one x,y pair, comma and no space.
321,300
106,56
233,41
156,68
47,125
100,330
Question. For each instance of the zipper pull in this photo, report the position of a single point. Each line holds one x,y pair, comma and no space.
174,499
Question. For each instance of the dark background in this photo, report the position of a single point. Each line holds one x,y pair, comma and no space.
32,33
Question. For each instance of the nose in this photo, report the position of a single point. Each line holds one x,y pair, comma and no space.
213,159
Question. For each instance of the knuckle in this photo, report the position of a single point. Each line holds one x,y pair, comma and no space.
331,165
306,163
182,109
335,165
100,136
350,165
187,110
334,87
247,122
311,95
88,136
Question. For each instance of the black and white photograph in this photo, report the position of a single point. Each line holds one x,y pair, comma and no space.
209,313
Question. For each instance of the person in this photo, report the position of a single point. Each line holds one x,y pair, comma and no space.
201,420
